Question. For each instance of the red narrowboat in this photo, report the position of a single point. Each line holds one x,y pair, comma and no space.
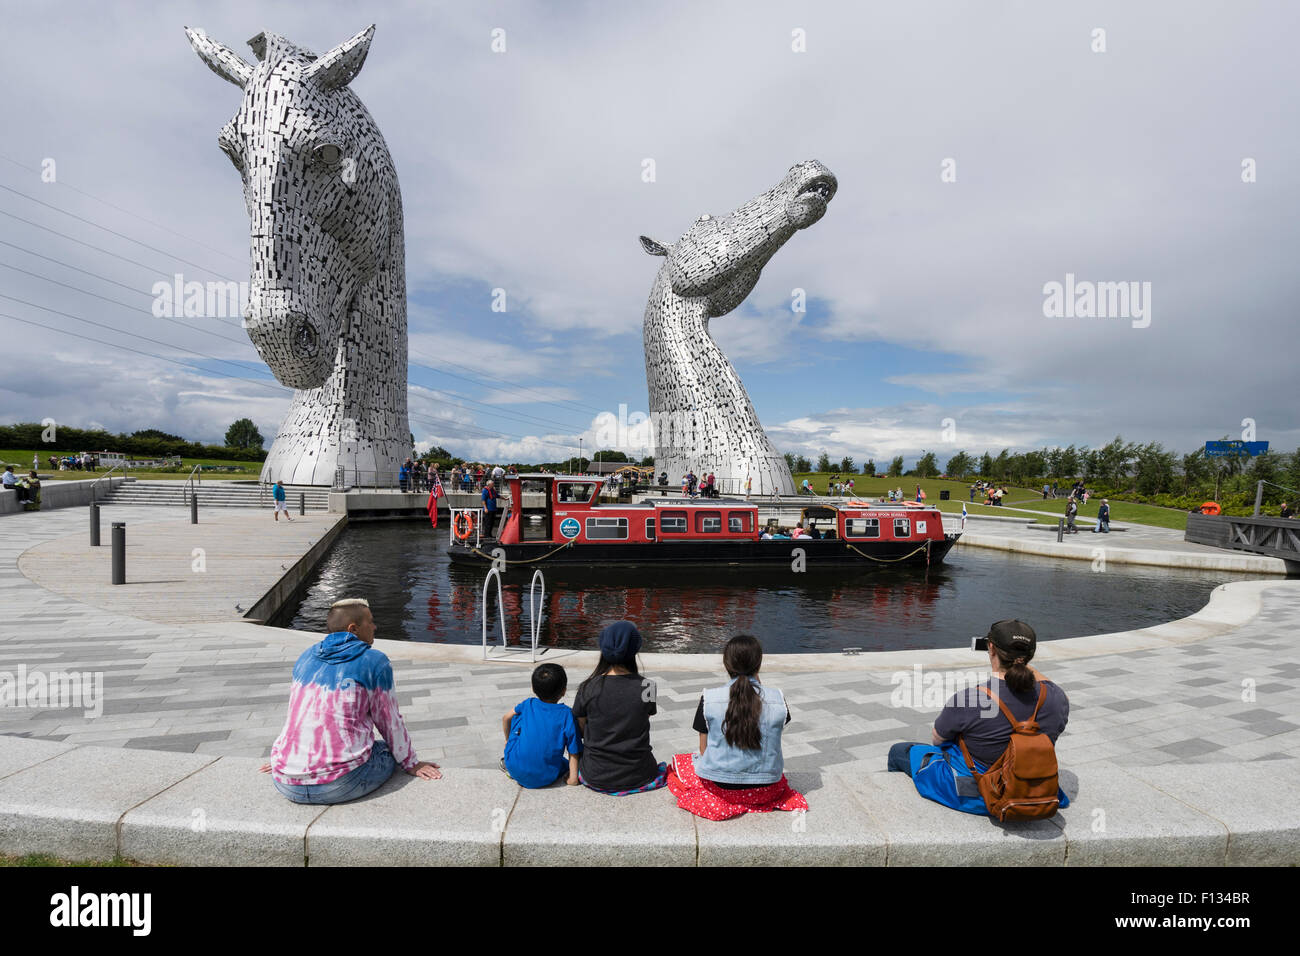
556,519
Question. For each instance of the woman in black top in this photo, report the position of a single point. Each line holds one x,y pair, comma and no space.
613,707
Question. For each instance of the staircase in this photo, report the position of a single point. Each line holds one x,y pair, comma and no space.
212,494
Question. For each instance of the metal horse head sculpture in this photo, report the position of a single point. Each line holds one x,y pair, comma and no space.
327,296
701,413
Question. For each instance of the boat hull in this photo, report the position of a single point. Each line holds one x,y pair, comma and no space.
813,553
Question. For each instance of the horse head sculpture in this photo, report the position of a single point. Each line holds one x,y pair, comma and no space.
327,295
702,415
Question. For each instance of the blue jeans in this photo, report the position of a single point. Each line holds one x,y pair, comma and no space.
353,784
900,757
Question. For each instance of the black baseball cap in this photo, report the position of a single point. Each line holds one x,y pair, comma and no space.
1014,637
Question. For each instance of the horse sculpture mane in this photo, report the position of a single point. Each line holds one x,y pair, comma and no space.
701,414
327,296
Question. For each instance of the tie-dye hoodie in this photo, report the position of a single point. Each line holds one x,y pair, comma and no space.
342,691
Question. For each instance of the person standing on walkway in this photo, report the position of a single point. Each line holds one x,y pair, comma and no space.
489,509
280,503
1071,509
1103,518
342,692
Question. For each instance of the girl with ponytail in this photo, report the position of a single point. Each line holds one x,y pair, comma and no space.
739,766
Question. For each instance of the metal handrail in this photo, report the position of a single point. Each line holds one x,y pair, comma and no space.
95,484
189,482
501,610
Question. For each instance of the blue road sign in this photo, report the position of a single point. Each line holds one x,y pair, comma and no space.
1235,449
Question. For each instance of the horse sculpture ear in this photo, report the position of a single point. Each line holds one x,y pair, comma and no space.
222,60
652,247
336,68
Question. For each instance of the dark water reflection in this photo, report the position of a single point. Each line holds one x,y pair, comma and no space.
418,595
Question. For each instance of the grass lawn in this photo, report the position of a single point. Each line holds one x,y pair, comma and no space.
867,487
44,859
1124,512
21,459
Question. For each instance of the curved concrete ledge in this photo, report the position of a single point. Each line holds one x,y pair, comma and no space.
191,809
1196,561
1230,606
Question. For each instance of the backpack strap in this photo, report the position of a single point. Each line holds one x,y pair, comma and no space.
1006,712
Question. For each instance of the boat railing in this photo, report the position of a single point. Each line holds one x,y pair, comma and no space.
474,520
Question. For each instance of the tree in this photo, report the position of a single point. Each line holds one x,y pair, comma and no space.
986,466
802,465
927,466
789,461
824,462
896,467
166,436
959,465
846,465
870,467
648,461
243,434
1153,469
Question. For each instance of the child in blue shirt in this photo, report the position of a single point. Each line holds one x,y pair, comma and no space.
540,732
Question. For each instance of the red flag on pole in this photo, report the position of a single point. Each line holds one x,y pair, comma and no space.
434,495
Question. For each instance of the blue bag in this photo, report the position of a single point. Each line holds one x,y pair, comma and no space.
940,774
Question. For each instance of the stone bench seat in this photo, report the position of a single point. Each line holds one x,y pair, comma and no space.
82,803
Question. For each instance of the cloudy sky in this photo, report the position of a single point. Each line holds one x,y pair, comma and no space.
983,150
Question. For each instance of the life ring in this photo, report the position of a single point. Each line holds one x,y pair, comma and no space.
1211,508
463,525
913,504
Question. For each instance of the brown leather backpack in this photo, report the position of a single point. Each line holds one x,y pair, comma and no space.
1021,784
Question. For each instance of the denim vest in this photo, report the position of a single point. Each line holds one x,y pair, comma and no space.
723,763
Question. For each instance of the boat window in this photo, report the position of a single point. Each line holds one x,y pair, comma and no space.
708,522
650,529
606,528
862,528
673,522
902,528
740,522
574,490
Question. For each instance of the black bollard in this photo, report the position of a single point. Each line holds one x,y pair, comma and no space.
94,525
1060,529
194,508
302,502
119,552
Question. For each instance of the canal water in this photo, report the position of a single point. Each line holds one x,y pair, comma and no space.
417,595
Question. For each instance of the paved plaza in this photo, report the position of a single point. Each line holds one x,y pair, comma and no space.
181,673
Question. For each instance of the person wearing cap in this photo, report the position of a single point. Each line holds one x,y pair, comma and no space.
613,707
975,717
1103,518
342,692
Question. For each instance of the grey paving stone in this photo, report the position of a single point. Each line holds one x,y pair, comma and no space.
19,753
835,831
455,821
182,743
1115,819
1264,832
923,833
1192,747
227,814
577,826
69,805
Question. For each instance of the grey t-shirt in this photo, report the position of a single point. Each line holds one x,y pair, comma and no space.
985,728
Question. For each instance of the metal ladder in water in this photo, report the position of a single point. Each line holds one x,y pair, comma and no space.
536,610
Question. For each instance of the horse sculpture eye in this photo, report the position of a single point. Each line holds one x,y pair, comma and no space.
328,154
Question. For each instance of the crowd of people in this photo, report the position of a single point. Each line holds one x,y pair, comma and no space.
343,691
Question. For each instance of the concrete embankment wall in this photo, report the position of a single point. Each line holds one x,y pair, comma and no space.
60,494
